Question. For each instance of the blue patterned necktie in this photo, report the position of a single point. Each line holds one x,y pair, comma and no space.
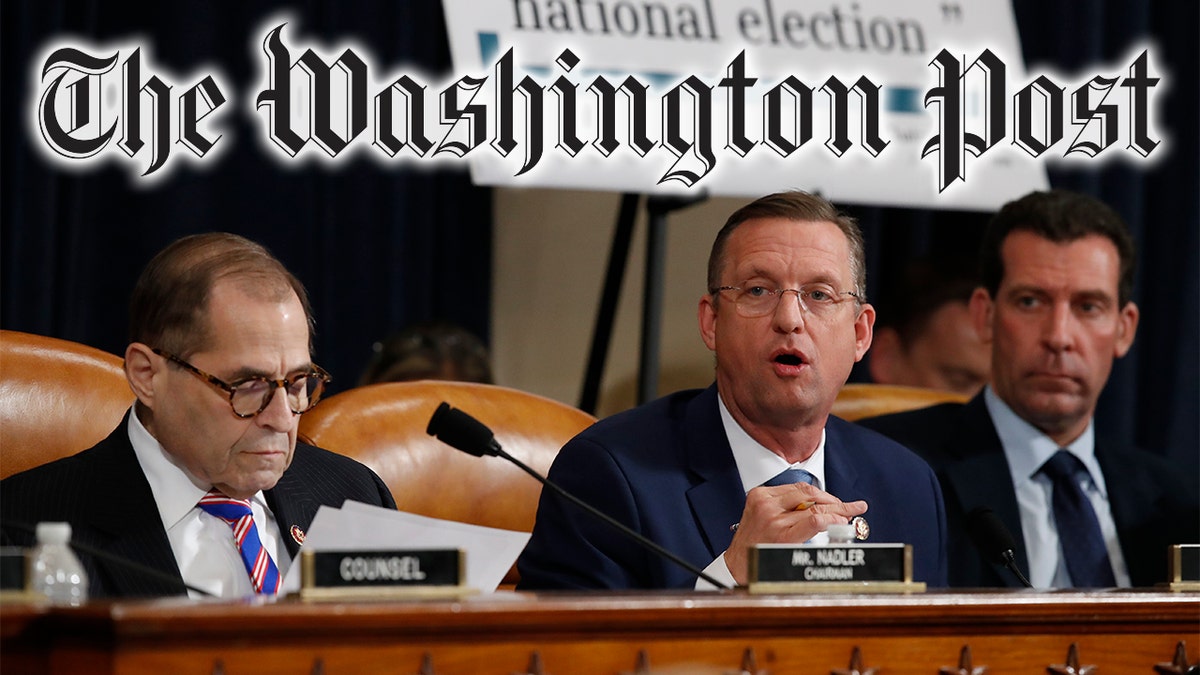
264,575
1079,533
789,476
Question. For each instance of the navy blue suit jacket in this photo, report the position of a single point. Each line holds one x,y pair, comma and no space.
665,469
106,498
1152,505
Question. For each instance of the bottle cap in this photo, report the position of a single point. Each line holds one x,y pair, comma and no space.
840,534
53,533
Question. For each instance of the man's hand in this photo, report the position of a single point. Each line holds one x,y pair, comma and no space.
784,514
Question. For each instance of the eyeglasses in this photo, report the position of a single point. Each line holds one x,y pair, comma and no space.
251,396
816,299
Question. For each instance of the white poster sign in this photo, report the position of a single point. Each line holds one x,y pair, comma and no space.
870,101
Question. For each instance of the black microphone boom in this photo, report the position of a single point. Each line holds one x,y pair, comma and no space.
463,432
994,540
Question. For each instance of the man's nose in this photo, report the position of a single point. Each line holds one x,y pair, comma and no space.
789,316
278,413
1059,328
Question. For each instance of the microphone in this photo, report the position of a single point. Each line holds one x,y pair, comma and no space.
993,540
120,561
463,432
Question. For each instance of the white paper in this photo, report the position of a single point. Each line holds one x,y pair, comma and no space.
490,552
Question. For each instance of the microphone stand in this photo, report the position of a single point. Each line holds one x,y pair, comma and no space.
1009,560
608,519
467,434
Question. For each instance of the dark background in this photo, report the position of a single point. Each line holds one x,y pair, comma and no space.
381,247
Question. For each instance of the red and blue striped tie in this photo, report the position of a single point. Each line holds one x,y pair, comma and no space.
264,576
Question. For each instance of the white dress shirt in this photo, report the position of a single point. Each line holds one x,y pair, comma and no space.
1027,449
203,544
757,465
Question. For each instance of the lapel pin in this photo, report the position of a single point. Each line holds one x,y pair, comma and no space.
861,529
298,534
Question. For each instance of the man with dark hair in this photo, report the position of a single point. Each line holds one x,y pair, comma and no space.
924,336
430,350
1057,269
204,482
756,458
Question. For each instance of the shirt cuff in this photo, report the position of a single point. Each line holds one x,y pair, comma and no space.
718,570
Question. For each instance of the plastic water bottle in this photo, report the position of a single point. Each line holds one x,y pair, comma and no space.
55,570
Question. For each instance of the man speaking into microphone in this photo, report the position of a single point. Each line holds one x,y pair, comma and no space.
756,458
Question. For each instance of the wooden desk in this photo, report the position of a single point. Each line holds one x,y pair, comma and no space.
1122,632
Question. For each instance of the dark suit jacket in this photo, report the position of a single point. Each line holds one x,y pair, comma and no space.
106,498
665,469
1152,504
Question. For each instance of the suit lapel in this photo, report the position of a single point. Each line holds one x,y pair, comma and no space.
294,507
129,525
717,497
841,476
1127,494
1141,515
978,475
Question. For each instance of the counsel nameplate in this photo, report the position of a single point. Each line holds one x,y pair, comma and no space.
386,574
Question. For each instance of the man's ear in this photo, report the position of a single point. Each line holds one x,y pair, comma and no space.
864,330
885,355
141,367
706,316
1127,322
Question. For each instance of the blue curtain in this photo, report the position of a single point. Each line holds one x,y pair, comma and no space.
378,247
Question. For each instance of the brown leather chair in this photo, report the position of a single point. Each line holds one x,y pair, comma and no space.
56,398
383,426
860,400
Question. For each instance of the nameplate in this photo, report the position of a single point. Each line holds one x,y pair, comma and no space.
12,568
837,568
15,577
1185,567
383,574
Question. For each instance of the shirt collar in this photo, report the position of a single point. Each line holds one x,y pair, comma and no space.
1027,448
756,464
176,491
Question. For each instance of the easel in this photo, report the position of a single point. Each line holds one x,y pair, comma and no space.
657,209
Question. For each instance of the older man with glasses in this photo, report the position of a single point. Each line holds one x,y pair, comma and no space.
756,458
203,485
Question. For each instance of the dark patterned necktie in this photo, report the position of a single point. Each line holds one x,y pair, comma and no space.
1078,528
264,576
789,476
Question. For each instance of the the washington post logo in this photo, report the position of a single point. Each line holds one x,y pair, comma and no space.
105,103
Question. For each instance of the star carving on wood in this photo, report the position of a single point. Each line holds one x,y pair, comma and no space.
965,666
642,666
749,665
855,667
1178,665
1071,667
535,665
